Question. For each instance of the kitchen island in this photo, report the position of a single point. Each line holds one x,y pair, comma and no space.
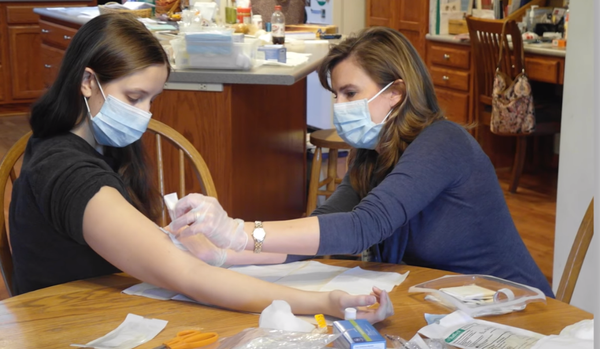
250,127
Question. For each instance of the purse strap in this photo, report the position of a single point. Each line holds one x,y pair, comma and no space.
502,39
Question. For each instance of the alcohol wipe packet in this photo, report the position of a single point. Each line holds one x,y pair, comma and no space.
134,331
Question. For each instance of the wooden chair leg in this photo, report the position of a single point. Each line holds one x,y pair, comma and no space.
313,186
517,169
332,170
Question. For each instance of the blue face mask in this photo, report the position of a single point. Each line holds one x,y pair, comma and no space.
118,124
353,122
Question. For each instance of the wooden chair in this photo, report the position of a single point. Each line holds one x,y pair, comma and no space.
160,131
576,256
8,173
185,149
324,139
486,37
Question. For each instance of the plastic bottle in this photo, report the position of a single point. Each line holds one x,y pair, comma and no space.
350,314
566,25
278,26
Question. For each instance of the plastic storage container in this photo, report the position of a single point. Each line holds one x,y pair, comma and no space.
217,55
489,295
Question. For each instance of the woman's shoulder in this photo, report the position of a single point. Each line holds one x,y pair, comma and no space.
446,134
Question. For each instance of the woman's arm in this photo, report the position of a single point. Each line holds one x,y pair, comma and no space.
131,242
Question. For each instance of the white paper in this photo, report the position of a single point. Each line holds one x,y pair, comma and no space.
134,331
358,281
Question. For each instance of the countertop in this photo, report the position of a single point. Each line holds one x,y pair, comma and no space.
42,1
540,49
264,75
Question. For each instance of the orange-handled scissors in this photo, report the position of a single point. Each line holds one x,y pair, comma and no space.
189,339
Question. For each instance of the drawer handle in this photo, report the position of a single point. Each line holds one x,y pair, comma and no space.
48,66
446,56
66,37
45,31
445,78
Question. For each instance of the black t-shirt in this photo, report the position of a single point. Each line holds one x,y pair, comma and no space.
58,178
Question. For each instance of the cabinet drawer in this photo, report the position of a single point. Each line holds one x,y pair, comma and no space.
458,80
546,70
56,35
21,15
51,59
451,57
454,104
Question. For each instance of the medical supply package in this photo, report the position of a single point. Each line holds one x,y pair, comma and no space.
462,331
479,295
357,334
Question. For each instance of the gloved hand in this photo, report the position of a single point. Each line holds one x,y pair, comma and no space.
199,214
199,246
363,304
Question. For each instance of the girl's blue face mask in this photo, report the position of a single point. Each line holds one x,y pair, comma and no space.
118,124
353,122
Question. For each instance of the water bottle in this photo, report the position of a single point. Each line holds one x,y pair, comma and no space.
278,26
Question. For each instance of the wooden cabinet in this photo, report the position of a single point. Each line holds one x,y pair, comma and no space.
26,68
451,72
24,46
410,17
55,40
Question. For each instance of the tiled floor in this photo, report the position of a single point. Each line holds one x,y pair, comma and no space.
533,207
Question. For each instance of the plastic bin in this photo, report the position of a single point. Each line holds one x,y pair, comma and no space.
230,56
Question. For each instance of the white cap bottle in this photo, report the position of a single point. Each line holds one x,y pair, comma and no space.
350,314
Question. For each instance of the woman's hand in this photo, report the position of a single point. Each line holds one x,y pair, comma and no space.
201,247
198,214
364,304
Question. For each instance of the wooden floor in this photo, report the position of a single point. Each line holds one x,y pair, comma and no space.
533,207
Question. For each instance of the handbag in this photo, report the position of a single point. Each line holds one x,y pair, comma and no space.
513,111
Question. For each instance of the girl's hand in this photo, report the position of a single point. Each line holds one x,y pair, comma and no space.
364,305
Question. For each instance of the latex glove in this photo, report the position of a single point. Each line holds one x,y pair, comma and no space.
201,247
363,304
199,214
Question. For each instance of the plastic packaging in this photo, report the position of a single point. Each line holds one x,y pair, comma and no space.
505,297
255,338
234,55
278,26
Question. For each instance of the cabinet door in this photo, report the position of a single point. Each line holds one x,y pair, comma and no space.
25,60
381,13
412,20
51,59
454,104
3,71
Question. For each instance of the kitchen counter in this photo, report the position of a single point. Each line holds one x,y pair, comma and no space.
264,75
544,49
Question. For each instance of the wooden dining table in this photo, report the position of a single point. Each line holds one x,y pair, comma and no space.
80,311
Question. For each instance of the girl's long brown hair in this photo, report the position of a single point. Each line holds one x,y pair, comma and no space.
113,46
386,56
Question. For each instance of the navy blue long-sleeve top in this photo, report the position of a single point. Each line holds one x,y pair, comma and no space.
440,207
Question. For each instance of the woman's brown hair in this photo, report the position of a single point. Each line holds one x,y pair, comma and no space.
113,46
386,56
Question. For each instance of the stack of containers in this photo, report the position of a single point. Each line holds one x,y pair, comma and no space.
215,49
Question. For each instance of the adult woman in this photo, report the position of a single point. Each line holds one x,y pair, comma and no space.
419,187
83,204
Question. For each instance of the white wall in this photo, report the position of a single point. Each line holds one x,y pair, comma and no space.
576,163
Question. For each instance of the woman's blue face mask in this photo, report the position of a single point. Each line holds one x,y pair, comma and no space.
354,125
117,124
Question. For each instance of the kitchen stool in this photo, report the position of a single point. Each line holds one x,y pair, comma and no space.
324,139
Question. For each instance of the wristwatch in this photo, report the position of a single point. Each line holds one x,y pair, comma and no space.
259,236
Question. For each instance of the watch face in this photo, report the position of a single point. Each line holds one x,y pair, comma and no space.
258,234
